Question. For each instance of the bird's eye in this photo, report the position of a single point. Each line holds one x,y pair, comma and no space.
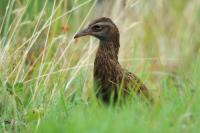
97,28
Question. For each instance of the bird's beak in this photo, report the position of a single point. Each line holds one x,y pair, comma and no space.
84,32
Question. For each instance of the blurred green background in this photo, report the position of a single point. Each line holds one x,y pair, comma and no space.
46,75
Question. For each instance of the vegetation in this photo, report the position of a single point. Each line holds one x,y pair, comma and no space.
46,75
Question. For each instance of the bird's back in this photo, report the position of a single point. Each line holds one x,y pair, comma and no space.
132,82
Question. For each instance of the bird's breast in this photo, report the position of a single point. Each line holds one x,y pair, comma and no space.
102,68
107,70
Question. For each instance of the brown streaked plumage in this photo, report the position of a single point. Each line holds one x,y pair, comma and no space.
109,76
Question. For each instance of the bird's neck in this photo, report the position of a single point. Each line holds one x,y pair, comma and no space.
106,60
108,50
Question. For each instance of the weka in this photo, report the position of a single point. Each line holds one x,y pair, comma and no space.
110,78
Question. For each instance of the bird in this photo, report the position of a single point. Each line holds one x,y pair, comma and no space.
110,79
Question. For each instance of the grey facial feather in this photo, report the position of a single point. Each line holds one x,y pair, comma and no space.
104,24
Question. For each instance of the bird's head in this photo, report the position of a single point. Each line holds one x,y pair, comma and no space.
103,28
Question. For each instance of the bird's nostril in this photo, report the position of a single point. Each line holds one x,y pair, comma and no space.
82,33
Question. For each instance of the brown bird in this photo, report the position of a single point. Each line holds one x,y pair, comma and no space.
110,78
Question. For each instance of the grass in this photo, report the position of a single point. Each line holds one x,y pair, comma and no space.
46,75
